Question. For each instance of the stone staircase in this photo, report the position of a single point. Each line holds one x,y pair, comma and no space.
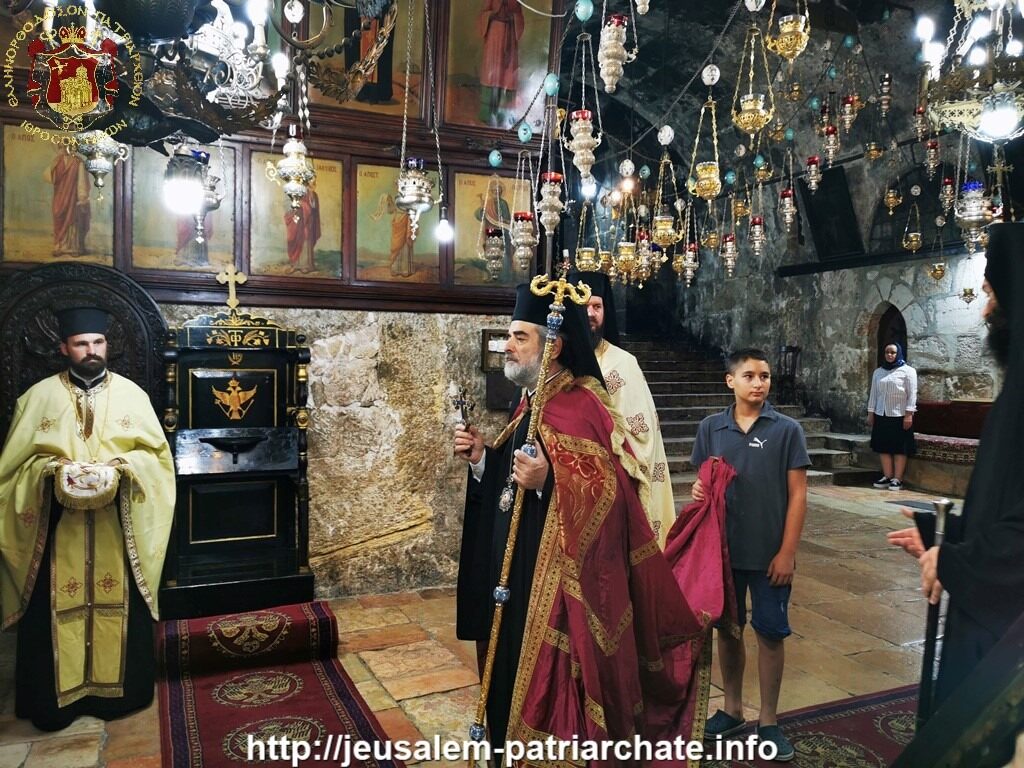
688,385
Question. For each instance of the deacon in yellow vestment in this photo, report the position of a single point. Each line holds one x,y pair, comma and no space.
632,398
82,560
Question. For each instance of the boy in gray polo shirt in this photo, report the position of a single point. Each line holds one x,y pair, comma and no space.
765,508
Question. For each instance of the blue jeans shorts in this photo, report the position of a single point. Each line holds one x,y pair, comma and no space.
769,615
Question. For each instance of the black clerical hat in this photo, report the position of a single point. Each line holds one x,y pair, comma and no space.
76,320
601,286
577,351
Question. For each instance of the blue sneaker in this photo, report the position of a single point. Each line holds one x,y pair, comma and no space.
784,750
722,724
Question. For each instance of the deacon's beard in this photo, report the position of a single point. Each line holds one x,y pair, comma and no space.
523,374
998,339
596,336
89,368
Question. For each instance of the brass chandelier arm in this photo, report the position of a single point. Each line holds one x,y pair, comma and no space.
342,86
312,42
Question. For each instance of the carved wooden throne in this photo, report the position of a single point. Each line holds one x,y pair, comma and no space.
28,328
237,424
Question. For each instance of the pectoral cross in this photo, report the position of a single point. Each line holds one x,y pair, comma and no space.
232,278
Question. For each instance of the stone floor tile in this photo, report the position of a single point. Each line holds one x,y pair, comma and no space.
465,650
872,618
412,686
149,761
447,714
808,591
903,664
357,617
432,593
398,726
836,574
136,735
13,730
439,610
391,600
377,698
380,637
842,637
805,690
13,755
355,668
843,672
79,751
410,658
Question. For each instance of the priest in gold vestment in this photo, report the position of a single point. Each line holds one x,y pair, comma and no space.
86,503
632,398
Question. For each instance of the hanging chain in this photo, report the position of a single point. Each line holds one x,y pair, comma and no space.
433,106
405,99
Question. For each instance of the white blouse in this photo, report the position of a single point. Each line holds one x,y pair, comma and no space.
893,393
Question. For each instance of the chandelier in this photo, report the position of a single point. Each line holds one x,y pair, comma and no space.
974,82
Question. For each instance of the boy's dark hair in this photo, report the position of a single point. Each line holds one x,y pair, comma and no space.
740,356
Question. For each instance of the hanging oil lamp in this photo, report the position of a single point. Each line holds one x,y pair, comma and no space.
741,206
787,207
583,140
813,174
524,238
644,258
931,158
415,192
764,173
294,169
756,234
967,295
795,92
947,194
691,262
643,6
100,152
753,110
973,213
625,260
885,94
793,35
611,53
873,151
707,182
892,198
937,271
912,232
604,261
920,122
711,238
494,251
831,147
550,206
847,113
729,253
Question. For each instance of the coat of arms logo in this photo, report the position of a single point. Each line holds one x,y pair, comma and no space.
74,83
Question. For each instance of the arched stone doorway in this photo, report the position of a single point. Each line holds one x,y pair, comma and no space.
892,329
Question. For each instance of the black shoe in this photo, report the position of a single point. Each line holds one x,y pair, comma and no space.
882,482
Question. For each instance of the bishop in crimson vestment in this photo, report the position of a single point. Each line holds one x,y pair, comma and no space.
598,641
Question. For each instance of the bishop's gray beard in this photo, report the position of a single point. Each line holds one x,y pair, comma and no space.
524,374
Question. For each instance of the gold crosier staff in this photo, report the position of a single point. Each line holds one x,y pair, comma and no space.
541,285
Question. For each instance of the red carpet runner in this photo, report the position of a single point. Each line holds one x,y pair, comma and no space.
860,732
264,674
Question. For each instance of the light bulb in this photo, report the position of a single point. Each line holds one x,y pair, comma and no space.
1014,47
980,27
588,187
616,197
183,196
925,29
628,184
279,63
239,30
444,231
293,11
1000,117
977,57
257,11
